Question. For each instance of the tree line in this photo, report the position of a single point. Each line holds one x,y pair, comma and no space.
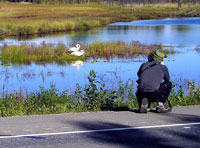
130,3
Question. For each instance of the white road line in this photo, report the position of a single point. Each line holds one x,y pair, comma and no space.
101,130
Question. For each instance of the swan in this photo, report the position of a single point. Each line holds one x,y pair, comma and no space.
78,53
74,49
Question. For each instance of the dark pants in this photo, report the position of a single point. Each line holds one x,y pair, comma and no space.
161,95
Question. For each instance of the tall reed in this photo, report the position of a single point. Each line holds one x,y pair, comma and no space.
43,52
59,53
123,49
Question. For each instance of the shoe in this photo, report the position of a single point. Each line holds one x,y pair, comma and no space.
143,106
163,109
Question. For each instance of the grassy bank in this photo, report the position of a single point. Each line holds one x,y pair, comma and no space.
24,54
19,19
93,97
58,53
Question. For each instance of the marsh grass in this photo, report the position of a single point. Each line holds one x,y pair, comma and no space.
93,97
122,49
42,53
17,19
49,53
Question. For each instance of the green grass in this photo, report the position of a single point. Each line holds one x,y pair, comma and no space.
32,53
49,53
18,19
93,97
122,49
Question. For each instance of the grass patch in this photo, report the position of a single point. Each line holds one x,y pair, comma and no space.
122,49
43,53
49,53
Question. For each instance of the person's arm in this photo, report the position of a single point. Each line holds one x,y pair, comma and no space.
139,71
166,73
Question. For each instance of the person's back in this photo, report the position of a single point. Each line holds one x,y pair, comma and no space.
152,77
153,83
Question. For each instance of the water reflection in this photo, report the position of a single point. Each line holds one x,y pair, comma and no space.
127,28
77,64
197,49
181,28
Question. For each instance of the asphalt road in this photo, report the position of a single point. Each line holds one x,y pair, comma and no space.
178,129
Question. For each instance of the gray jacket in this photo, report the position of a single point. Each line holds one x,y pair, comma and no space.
151,78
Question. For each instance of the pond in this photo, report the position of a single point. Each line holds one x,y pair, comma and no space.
181,33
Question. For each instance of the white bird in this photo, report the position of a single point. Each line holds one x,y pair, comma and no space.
74,49
78,53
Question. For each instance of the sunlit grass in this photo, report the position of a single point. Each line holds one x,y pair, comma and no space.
122,49
18,19
24,19
44,52
49,52
50,26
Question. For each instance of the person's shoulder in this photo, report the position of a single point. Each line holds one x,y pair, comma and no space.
164,67
145,64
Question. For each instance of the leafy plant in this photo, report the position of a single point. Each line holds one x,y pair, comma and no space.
96,96
2,107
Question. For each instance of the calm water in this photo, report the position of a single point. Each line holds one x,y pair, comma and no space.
183,34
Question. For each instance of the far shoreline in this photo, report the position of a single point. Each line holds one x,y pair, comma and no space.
30,23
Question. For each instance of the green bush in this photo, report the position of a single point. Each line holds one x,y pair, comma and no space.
2,107
96,96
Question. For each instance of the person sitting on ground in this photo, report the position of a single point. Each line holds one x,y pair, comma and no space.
154,83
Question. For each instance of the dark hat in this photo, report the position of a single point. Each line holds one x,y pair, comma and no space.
159,55
150,57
